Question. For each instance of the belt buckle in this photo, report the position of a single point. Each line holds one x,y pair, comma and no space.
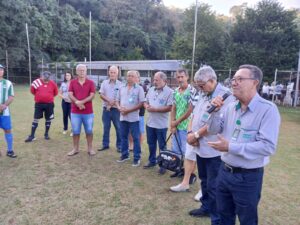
230,168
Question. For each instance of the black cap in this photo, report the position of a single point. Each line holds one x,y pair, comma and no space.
2,67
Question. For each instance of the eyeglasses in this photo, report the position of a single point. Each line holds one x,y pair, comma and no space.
240,79
201,85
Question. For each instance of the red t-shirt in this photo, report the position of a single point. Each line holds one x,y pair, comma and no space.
43,92
81,92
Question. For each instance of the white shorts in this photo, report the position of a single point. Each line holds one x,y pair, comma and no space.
190,153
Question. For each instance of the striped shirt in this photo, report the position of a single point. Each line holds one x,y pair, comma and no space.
6,90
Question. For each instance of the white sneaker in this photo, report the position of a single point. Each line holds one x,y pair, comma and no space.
179,188
198,196
71,134
64,132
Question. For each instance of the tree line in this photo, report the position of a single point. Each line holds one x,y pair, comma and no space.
266,35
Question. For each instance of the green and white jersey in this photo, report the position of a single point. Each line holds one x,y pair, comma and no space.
6,90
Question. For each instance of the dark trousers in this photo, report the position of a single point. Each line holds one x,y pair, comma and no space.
108,116
66,108
238,194
134,129
155,135
208,169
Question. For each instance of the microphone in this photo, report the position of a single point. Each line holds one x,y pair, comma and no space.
213,107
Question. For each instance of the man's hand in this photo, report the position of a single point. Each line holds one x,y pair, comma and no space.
174,123
173,130
2,107
192,140
123,110
80,104
221,145
151,109
218,102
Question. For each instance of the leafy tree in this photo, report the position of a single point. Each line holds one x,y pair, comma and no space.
266,36
210,38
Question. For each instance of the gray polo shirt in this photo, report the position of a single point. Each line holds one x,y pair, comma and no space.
258,136
110,90
158,99
129,99
204,150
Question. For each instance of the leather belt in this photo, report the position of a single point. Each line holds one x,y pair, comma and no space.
233,169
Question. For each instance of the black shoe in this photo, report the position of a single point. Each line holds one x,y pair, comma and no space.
177,174
193,178
11,154
162,171
198,213
123,159
46,136
103,148
149,165
30,139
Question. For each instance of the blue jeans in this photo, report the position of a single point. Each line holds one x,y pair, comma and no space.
134,129
78,119
238,194
107,116
155,135
181,137
208,169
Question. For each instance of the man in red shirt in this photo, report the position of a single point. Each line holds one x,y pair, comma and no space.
44,91
82,92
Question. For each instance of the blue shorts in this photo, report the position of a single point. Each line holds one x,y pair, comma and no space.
142,125
5,122
78,119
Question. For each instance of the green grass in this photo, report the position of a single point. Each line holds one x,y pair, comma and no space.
44,186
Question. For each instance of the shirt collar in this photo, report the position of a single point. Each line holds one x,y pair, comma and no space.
252,105
160,89
111,81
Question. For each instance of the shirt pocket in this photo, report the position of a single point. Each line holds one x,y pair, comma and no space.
248,134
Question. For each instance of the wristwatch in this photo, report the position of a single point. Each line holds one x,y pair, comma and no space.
196,135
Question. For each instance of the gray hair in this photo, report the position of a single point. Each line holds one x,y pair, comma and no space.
255,72
205,73
162,75
81,65
114,67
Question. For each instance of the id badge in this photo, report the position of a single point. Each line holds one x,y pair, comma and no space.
130,100
205,117
235,134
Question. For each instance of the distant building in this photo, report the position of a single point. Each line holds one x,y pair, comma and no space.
98,70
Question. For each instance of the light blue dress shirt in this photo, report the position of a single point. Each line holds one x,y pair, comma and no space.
256,135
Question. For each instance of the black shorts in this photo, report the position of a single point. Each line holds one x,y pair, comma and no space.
44,108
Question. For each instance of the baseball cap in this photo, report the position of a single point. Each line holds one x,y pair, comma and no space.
2,67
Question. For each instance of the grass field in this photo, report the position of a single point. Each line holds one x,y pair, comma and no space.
44,186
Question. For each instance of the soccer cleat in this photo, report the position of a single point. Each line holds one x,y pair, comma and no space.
30,139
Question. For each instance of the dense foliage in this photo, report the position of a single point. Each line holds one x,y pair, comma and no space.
267,35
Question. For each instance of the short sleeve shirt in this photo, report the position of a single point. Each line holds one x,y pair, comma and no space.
159,98
182,102
205,151
81,92
64,88
6,90
129,99
110,90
